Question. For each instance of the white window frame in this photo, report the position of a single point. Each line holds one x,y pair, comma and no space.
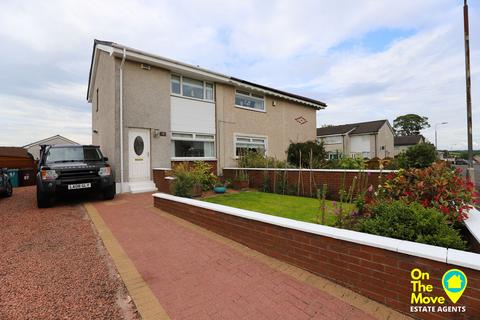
248,136
361,154
250,95
334,155
193,138
193,98
325,142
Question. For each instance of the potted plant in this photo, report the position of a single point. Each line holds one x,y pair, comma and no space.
220,187
241,181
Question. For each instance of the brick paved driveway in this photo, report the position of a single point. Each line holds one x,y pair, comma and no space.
196,274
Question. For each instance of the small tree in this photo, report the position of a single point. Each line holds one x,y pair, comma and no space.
306,148
420,155
410,124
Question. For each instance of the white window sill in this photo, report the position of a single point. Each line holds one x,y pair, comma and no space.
191,98
193,159
250,109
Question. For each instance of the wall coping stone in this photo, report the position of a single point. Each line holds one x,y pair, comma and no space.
313,170
451,256
473,223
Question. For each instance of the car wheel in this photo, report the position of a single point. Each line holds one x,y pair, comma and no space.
43,201
8,189
109,193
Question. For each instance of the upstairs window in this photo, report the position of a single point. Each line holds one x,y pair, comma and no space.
332,140
245,99
192,88
176,84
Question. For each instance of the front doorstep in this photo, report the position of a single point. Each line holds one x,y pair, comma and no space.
142,186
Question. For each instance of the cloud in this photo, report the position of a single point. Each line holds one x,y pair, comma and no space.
26,120
366,59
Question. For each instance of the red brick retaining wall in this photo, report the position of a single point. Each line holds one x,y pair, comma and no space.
380,274
333,178
162,184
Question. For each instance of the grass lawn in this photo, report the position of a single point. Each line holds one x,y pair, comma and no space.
292,207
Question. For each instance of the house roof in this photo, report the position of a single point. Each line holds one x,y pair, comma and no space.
46,140
14,152
407,140
352,128
119,50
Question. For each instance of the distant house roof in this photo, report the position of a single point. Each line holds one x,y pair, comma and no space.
408,140
352,128
46,140
14,152
119,50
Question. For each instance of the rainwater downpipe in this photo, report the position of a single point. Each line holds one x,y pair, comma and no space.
121,119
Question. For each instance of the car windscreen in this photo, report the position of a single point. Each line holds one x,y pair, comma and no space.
73,154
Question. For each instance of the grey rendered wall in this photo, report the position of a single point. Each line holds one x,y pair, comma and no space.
278,124
146,104
385,138
105,120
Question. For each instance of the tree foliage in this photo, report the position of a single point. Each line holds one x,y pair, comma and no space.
410,124
305,148
421,155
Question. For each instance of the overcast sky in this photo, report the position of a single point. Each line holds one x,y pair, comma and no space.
366,59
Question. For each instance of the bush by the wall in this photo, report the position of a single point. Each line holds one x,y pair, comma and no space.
188,175
184,180
419,156
312,154
412,222
438,186
251,159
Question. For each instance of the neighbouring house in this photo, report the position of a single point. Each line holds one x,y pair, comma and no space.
150,112
16,158
402,143
373,139
34,147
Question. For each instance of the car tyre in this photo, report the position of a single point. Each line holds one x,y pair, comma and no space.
8,189
109,192
43,201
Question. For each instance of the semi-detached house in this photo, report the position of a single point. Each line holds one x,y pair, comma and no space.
149,112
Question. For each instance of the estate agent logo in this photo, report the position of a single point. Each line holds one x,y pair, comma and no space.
454,283
423,298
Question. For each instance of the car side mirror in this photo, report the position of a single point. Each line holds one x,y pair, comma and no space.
105,158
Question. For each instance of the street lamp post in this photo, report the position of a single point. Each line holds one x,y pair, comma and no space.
436,126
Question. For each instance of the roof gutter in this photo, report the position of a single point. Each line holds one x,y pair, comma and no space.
176,66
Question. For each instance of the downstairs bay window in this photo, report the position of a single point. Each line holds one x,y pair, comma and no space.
244,144
193,146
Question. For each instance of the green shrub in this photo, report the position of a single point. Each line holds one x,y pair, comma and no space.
399,162
411,222
316,150
184,180
351,163
251,159
187,175
420,156
202,174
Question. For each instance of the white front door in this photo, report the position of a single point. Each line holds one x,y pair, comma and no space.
139,154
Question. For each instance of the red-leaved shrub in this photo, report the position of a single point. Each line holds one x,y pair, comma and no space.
439,186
